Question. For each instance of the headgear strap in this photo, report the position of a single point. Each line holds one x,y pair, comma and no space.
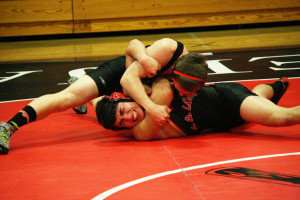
187,76
117,96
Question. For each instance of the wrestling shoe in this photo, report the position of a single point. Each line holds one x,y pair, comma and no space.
6,131
284,83
80,109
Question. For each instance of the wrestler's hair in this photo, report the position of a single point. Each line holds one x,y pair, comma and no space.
192,64
106,112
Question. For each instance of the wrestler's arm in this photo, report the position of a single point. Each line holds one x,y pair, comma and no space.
136,51
147,129
162,51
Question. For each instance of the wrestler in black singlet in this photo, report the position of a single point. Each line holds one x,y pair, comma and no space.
213,107
108,75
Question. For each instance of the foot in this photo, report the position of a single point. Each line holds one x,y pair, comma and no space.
6,131
285,84
80,109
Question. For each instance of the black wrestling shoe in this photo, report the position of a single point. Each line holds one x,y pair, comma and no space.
280,87
286,83
6,131
80,109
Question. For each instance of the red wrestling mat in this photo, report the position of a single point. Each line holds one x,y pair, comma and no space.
69,156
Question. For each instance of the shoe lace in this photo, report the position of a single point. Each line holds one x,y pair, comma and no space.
5,134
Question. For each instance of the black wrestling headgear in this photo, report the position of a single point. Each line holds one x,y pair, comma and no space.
106,109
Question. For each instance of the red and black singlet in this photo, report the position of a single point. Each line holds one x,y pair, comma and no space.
214,107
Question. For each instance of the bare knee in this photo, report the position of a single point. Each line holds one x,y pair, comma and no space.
263,90
68,99
57,102
81,92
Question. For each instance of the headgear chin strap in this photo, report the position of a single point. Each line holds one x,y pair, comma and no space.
187,76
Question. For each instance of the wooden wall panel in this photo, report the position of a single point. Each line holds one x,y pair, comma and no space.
36,28
42,17
35,10
184,21
276,4
108,9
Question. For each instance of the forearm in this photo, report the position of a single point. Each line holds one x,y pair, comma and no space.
147,129
133,86
135,51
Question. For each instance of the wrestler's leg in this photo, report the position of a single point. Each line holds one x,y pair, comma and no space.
262,111
264,90
273,91
79,109
80,92
84,90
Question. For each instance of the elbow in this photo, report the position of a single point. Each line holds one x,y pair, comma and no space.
168,91
131,44
133,41
124,81
169,94
129,78
166,43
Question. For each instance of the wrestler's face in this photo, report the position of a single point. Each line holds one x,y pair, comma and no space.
128,114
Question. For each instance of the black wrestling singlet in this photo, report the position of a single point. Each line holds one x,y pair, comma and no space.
213,107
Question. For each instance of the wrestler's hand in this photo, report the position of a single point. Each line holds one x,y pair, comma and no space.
159,114
150,65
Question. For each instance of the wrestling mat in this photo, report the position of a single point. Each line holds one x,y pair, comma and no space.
69,156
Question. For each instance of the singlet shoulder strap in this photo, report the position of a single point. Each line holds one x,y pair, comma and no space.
175,57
